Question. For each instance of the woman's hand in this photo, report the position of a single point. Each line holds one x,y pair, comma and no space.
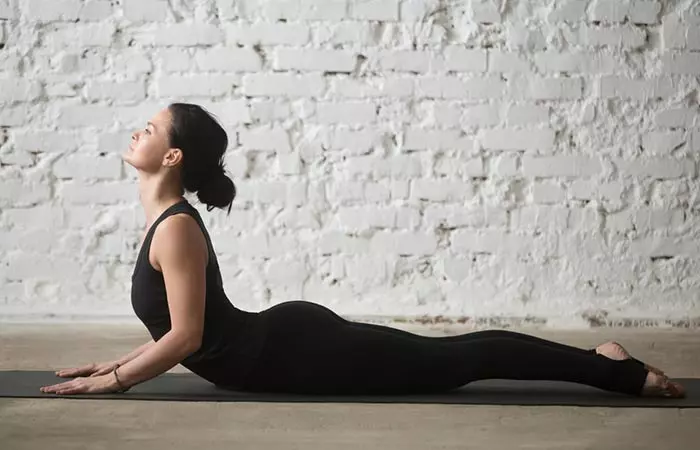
91,370
85,385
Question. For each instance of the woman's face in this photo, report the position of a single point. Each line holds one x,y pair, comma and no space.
149,149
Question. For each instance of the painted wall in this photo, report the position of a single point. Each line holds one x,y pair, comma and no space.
502,160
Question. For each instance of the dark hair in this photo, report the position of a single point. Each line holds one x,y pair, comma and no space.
203,142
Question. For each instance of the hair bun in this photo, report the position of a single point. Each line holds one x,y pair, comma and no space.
217,190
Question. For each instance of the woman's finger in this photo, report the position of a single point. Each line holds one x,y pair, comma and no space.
59,387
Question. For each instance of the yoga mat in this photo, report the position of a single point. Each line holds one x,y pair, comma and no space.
190,387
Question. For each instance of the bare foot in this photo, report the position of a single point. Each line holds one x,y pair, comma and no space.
660,386
614,350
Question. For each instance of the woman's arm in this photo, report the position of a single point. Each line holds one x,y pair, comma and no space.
160,357
126,358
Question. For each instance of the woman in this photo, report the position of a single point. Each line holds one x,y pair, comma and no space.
295,346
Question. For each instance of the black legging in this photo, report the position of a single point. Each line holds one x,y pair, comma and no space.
310,349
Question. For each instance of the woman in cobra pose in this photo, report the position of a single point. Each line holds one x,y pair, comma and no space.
295,346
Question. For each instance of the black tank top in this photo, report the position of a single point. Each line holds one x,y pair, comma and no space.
232,338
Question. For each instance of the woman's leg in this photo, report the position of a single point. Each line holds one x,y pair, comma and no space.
474,335
309,350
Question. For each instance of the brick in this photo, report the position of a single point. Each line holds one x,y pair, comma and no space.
638,89
486,88
334,241
288,164
174,59
55,10
86,116
441,191
571,11
6,10
231,112
91,35
18,90
360,141
347,112
521,37
488,241
673,32
364,218
576,62
613,11
265,138
372,87
194,85
351,32
268,34
131,61
485,12
662,142
403,243
40,217
460,216
589,189
535,88
506,139
644,12
462,166
547,192
55,268
478,116
13,116
269,110
656,168
506,61
416,61
123,92
183,35
84,167
286,270
693,38
400,167
695,141
678,117
561,166
77,192
646,219
660,246
623,36
311,60
145,10
421,139
681,63
274,192
543,217
96,10
228,60
46,141
505,165
609,10
130,116
385,10
305,10
459,59
527,114
283,85
445,114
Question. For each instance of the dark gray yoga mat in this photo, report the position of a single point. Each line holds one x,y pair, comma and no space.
190,387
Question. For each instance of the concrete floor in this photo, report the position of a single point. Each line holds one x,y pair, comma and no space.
96,424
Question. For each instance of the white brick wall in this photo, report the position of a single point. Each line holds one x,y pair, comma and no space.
392,157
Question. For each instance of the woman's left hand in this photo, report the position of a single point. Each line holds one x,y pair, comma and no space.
85,385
